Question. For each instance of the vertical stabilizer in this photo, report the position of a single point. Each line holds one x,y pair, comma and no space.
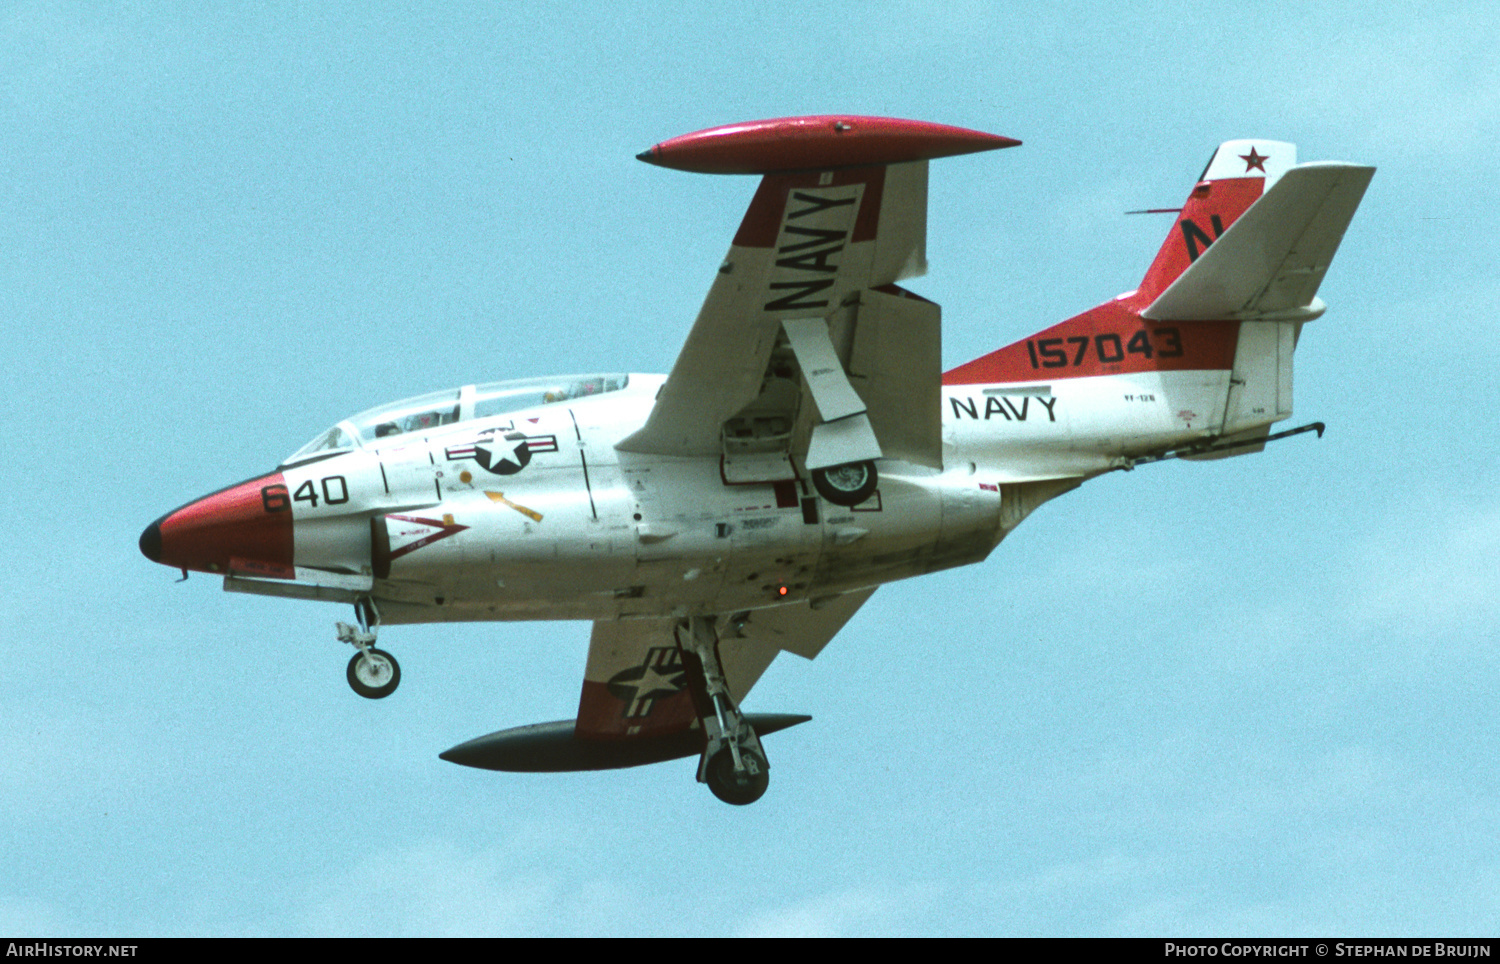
1235,178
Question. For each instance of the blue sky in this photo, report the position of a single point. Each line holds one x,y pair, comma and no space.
1245,697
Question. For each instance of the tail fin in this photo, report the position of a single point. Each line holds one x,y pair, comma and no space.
1227,292
1237,175
1268,265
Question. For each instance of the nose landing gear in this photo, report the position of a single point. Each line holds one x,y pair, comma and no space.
373,673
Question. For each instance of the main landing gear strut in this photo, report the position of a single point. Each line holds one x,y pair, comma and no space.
373,673
733,763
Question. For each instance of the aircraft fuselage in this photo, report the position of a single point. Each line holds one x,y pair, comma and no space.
535,514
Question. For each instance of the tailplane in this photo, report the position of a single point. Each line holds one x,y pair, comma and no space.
1268,264
1238,175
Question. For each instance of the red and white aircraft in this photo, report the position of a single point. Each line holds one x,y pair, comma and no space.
805,448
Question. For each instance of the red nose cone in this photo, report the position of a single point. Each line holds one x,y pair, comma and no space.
251,521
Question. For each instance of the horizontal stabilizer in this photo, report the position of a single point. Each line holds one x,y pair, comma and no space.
555,747
1270,262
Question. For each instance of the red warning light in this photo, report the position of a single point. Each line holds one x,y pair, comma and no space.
781,591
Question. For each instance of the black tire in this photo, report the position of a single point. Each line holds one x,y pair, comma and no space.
374,677
847,484
738,787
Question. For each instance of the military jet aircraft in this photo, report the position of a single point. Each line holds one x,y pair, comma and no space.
805,448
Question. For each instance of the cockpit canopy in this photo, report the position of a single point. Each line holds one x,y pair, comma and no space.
427,412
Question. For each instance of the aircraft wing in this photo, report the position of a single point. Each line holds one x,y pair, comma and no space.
635,684
805,345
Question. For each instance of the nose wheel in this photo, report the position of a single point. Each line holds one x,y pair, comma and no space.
373,673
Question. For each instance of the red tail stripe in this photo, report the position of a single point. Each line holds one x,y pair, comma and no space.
1108,340
1210,210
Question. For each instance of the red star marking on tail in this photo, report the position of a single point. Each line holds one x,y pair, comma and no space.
1254,161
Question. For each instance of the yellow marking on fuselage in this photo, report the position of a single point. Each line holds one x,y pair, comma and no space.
531,514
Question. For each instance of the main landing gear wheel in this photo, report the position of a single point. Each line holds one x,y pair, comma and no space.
374,674
847,484
738,787
733,763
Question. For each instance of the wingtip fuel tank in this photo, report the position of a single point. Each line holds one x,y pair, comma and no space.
555,748
816,143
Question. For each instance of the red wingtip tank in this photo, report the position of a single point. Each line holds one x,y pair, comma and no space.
816,143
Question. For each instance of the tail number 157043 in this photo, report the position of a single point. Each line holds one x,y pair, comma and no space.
1107,349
